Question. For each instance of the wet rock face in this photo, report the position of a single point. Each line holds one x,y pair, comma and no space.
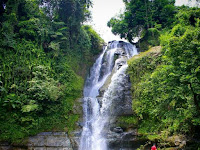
116,136
120,52
122,104
118,130
75,139
122,100
117,139
103,69
43,141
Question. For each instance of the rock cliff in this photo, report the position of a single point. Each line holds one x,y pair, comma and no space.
42,141
120,134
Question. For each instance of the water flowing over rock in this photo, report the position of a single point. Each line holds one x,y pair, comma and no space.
106,96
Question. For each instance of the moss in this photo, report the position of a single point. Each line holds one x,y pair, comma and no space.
156,49
142,64
128,119
127,122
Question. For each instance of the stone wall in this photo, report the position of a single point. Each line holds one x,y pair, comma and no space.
42,141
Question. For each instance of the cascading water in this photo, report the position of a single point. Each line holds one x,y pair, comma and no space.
97,112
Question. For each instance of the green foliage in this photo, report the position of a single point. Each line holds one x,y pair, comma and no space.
31,106
150,38
165,88
42,87
141,15
95,39
128,121
43,50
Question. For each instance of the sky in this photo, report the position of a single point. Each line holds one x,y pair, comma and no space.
104,10
191,3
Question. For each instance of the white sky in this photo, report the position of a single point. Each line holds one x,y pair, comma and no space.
191,3
104,10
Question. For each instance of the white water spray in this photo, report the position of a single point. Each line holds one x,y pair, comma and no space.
96,117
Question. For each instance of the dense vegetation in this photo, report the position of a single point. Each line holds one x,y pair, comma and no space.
44,55
166,84
143,18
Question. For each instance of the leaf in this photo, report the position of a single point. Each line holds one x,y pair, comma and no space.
29,108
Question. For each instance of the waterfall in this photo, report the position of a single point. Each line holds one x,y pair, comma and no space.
97,112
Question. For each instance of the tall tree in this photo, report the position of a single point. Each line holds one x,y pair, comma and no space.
141,15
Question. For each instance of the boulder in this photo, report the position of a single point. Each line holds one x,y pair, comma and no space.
117,139
178,141
118,130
